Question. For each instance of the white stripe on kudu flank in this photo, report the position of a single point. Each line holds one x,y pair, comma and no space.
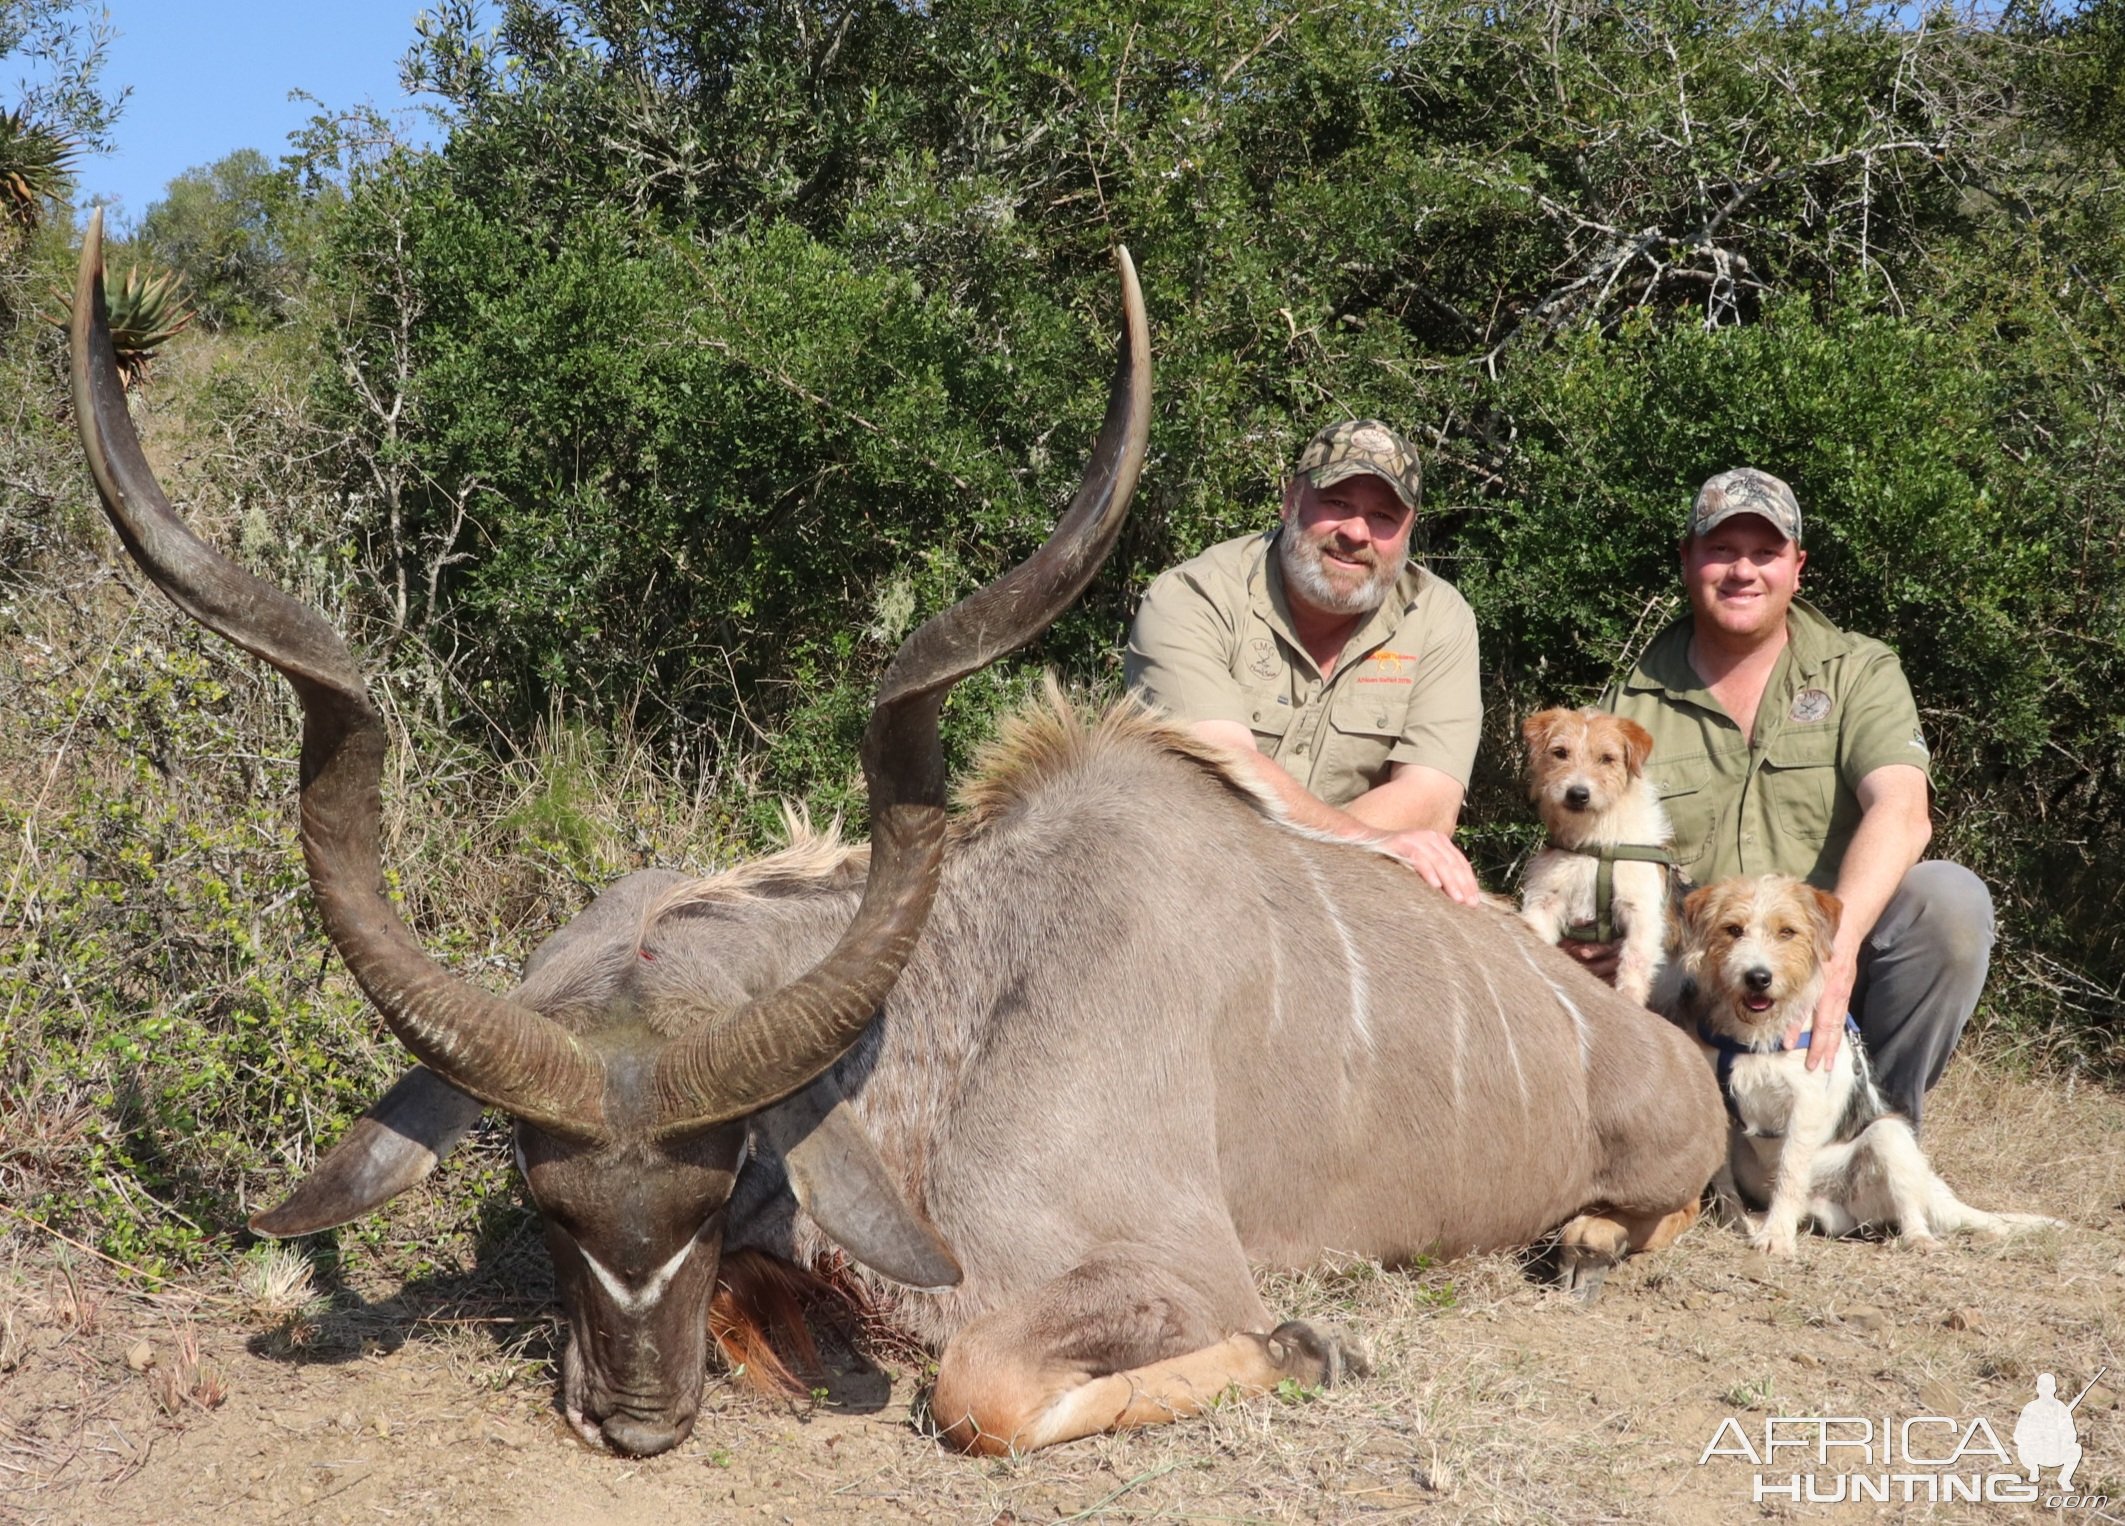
1276,982
1512,1050
1586,1044
1354,967
1460,1044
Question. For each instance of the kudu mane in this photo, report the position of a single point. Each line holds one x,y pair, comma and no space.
1038,747
1048,758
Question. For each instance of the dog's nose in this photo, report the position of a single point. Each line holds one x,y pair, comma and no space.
1757,980
1577,796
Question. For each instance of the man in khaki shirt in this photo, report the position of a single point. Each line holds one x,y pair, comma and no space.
1784,745
1340,672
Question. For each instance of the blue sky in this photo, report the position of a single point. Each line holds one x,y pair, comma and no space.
212,76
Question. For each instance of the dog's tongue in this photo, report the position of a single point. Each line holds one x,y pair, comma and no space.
1757,1003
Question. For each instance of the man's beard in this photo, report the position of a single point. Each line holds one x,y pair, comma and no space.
1300,556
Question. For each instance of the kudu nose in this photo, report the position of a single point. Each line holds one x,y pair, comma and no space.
1757,980
1577,796
640,1438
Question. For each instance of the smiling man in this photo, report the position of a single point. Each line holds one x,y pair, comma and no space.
1784,745
1343,673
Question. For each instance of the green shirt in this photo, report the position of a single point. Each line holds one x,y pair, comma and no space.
1213,642
1836,708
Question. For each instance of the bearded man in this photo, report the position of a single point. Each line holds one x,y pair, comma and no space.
1341,672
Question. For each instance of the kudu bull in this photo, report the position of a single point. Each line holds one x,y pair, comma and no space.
1063,1072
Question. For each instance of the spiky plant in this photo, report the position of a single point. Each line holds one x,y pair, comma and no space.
147,312
34,165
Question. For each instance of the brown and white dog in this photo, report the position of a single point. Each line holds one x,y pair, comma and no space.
1818,1146
1605,873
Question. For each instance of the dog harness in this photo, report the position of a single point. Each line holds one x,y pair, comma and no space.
1603,928
1730,1050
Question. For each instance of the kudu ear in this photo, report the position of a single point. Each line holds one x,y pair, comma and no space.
838,1179
393,1145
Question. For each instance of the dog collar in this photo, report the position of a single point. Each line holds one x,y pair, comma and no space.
1730,1049
1603,928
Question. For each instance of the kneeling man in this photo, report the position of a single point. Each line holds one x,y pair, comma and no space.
1782,744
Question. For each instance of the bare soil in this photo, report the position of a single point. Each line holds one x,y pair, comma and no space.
1494,1399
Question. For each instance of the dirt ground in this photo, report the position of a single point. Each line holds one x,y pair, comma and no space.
1494,1398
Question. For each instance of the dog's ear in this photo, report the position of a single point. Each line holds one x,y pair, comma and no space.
1829,911
1637,746
1693,906
1536,728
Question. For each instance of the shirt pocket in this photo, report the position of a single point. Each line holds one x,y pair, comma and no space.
1800,786
1692,809
1371,710
1366,727
1268,720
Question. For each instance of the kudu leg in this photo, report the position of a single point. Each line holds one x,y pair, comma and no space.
1121,1340
1656,1109
1593,1242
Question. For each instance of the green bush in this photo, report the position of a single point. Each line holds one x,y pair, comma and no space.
628,431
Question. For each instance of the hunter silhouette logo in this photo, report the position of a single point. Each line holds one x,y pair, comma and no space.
2045,1435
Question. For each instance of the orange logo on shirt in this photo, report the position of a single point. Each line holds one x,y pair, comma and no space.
1398,665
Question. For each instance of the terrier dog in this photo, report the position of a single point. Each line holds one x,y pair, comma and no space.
1606,871
1819,1146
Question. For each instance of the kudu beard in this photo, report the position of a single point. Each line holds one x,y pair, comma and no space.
1300,555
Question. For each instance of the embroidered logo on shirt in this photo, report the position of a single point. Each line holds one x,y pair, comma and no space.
1385,667
1261,657
1810,705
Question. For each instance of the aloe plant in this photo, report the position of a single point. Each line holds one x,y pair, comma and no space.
34,166
147,311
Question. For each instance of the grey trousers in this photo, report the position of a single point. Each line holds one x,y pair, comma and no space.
1921,972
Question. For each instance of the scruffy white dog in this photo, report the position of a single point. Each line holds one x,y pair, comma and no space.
1820,1146
1605,873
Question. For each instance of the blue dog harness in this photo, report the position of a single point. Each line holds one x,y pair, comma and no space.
1729,1051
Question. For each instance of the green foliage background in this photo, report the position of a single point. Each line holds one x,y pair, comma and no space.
629,428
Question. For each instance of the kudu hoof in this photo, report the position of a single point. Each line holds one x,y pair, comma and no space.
1317,1357
1581,1270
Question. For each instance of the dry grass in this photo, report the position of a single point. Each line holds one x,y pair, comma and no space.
1494,1398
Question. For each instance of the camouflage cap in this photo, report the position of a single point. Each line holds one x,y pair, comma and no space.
1361,445
1746,490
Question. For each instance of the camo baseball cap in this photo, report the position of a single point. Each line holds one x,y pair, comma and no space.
1361,445
1746,490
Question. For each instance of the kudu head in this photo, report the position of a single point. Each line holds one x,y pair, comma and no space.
629,1141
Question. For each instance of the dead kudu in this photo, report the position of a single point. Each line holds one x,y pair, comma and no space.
1062,1072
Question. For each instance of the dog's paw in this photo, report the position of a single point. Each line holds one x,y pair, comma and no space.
1774,1240
1923,1242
